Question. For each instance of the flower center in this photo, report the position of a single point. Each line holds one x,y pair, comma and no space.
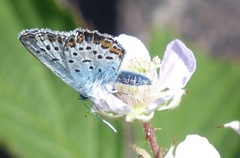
139,97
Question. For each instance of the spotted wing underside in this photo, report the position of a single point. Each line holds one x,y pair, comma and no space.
47,46
83,59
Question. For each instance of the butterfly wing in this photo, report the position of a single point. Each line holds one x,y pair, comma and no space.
83,59
47,47
93,60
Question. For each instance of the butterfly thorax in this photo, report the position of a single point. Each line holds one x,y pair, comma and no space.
92,85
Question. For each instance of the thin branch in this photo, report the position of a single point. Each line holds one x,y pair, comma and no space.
150,137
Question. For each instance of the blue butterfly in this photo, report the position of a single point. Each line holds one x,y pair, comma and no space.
85,60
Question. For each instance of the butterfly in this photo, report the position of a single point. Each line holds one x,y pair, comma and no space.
86,60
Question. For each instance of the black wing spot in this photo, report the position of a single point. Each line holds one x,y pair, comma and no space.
48,47
37,51
109,58
42,49
75,53
99,70
77,70
55,59
80,48
91,67
95,52
86,60
99,57
56,48
88,48
70,61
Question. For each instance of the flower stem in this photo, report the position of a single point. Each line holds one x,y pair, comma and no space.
150,137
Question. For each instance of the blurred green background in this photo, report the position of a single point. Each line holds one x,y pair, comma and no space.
40,116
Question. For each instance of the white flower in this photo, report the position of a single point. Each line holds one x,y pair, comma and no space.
194,146
235,125
168,77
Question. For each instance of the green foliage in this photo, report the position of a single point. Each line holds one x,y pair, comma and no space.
40,116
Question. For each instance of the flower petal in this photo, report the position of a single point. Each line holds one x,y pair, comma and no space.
177,67
170,152
106,103
195,146
169,99
145,117
134,48
235,125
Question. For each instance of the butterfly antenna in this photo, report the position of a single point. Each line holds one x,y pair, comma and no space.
104,121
